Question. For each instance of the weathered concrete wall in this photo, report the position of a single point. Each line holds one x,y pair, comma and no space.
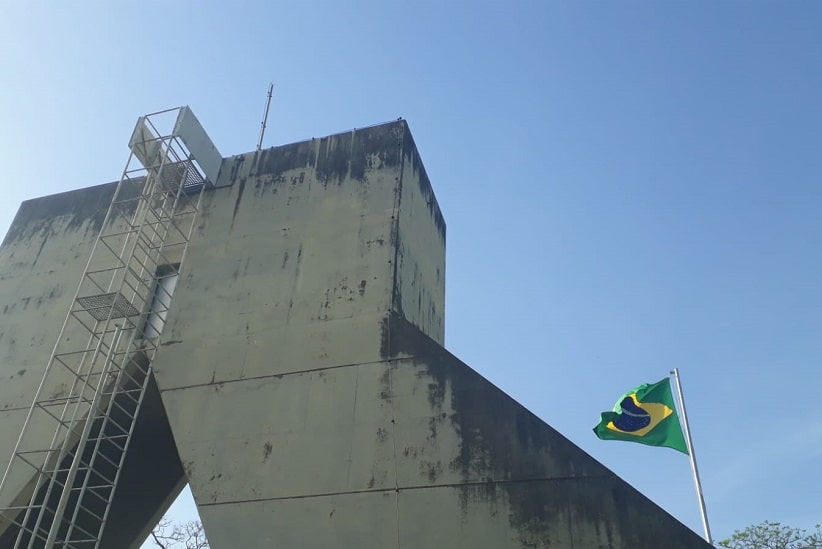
303,388
419,289
42,259
284,306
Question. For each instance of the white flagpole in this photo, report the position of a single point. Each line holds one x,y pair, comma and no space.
675,373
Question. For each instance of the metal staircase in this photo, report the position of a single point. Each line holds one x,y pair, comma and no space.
65,467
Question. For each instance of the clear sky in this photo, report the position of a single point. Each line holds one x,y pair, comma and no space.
629,187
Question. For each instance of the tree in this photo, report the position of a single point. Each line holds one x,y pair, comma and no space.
184,535
773,535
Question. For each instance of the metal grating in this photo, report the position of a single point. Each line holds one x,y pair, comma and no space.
193,176
99,306
173,173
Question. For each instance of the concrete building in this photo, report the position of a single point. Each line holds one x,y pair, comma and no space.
297,379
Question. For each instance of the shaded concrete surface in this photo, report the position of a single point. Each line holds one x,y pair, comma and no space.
151,478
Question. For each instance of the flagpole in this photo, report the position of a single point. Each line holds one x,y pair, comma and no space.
675,373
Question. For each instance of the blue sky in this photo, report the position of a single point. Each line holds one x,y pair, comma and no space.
629,187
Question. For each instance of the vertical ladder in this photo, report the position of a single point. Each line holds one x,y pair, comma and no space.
64,470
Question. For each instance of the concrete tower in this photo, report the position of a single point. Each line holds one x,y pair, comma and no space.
298,379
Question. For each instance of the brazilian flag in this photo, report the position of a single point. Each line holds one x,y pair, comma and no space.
646,415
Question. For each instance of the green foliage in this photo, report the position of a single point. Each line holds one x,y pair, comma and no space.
773,535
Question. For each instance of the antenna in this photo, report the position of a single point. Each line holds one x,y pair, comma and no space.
265,116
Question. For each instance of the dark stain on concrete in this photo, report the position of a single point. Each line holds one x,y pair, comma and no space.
76,209
514,454
42,245
361,149
436,395
278,160
386,392
266,451
335,158
431,470
433,423
299,262
396,286
267,182
399,337
333,162
385,339
412,157
382,434
240,191
236,165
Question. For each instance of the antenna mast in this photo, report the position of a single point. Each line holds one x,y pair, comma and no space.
265,116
